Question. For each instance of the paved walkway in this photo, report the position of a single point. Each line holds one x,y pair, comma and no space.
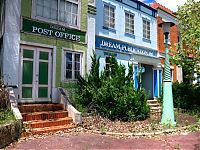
87,141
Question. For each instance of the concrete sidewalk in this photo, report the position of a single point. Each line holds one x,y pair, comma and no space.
91,141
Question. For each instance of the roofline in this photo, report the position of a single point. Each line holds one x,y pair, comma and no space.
143,4
140,3
172,14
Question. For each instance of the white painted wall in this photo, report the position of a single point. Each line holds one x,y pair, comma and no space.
120,24
90,39
11,40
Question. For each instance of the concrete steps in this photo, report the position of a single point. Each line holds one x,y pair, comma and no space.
155,107
44,118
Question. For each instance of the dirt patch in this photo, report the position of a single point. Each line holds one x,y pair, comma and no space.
185,119
103,125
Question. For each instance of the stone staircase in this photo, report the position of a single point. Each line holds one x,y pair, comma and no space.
155,107
44,118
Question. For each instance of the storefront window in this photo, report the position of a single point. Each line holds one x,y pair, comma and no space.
146,29
129,23
73,65
109,16
65,11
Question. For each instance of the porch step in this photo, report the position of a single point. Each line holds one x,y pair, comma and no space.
44,118
48,123
35,131
30,108
44,115
155,107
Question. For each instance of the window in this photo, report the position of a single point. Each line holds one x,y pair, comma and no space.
108,60
129,23
65,11
146,29
47,9
109,16
72,65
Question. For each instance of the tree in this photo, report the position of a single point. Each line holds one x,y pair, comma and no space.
188,50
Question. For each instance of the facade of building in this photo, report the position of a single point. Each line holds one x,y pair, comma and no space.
166,15
127,29
91,23
43,46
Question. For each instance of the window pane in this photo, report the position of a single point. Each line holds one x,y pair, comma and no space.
68,7
43,92
28,53
73,65
69,65
69,61
77,57
47,9
69,12
77,66
109,16
77,74
68,74
75,9
74,20
146,29
129,23
39,11
26,92
47,3
69,56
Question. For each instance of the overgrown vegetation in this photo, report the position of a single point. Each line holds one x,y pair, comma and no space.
111,93
6,116
186,96
188,50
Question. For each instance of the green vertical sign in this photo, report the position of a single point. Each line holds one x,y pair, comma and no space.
52,30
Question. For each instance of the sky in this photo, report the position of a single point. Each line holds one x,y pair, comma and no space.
171,4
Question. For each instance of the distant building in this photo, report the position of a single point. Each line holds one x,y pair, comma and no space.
166,15
127,29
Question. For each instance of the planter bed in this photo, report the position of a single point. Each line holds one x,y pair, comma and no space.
10,132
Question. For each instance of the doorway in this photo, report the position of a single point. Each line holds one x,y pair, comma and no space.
35,74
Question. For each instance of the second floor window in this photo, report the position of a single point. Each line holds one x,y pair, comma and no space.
146,29
65,11
109,16
129,23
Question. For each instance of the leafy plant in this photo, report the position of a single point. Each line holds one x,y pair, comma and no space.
188,50
6,116
111,93
186,96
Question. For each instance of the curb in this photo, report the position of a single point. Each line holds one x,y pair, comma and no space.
167,131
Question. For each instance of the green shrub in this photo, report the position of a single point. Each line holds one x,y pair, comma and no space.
112,92
186,96
4,97
6,116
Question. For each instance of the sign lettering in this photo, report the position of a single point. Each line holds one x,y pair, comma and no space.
105,43
52,30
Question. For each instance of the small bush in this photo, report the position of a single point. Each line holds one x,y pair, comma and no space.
6,116
4,97
112,93
186,96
